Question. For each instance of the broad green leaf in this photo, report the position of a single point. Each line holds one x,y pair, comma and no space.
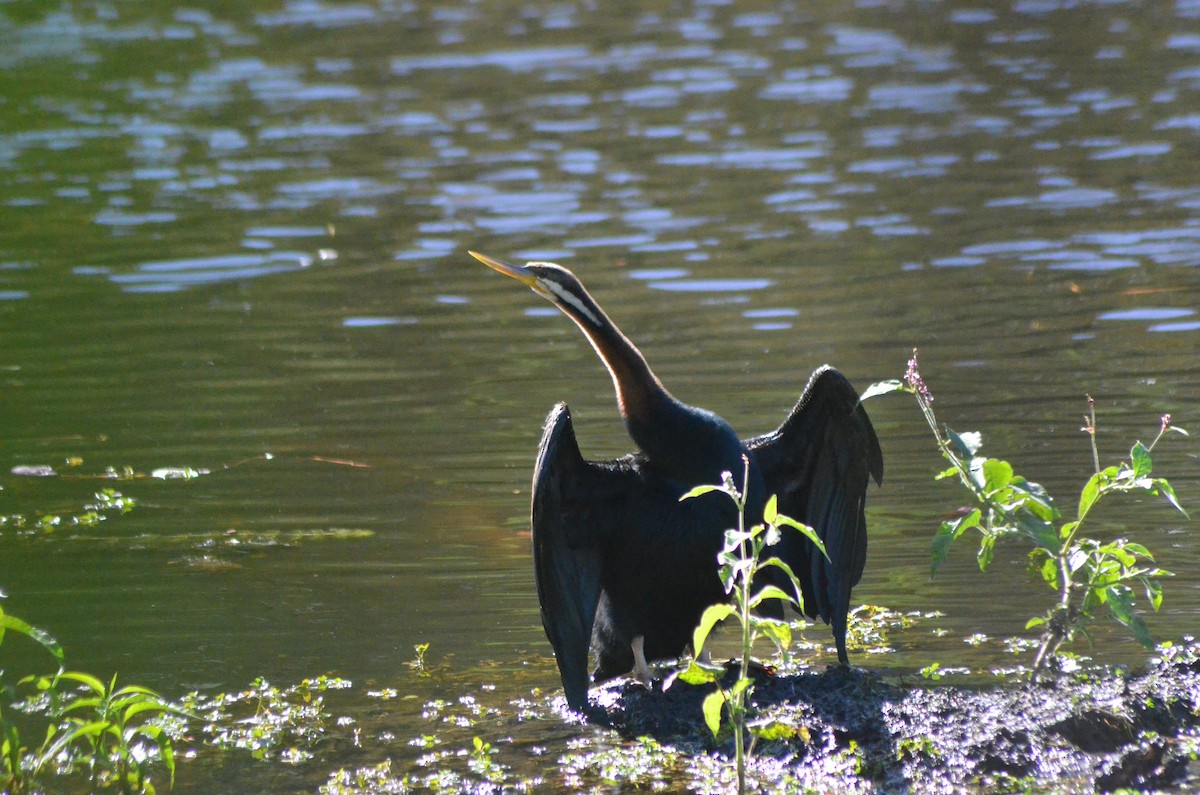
699,491
712,710
1167,491
770,592
949,532
1153,592
965,444
1036,621
997,474
1089,495
1177,429
883,388
1038,530
136,689
797,598
696,673
40,636
1139,457
145,706
941,546
805,530
94,684
986,548
1037,500
1120,602
771,510
1050,573
1119,599
774,562
739,686
92,729
1139,550
711,616
773,730
167,754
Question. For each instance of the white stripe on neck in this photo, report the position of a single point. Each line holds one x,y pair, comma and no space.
572,300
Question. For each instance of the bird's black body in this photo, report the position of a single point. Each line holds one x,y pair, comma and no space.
618,557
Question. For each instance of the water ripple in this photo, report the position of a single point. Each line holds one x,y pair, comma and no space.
711,285
172,275
1146,313
519,61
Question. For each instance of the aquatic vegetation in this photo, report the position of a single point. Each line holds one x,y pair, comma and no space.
103,504
870,627
417,664
268,721
116,734
15,771
372,780
643,763
1085,572
110,730
107,503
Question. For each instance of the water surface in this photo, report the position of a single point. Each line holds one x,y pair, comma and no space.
242,231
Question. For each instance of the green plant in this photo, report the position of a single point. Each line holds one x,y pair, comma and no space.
105,503
740,562
932,671
13,775
418,664
114,732
106,728
268,721
1085,572
483,762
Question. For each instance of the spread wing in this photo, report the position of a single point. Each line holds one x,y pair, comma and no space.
819,462
572,516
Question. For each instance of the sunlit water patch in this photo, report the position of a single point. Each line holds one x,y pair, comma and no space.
710,285
171,275
771,319
1155,313
375,322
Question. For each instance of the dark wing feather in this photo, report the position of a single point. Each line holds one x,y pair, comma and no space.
819,462
570,524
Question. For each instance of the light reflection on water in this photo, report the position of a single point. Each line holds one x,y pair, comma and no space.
238,232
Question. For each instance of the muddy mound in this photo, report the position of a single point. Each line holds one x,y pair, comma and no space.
849,730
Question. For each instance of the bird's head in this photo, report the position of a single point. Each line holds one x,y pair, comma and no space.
553,282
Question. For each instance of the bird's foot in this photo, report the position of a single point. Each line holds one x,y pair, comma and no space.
641,669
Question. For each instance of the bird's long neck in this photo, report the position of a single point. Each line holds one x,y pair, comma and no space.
639,392
692,445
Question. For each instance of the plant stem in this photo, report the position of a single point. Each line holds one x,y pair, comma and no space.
1090,427
737,708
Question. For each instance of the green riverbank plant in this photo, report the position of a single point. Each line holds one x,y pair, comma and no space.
109,730
15,778
742,558
1085,573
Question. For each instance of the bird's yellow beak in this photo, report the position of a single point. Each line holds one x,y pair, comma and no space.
523,275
